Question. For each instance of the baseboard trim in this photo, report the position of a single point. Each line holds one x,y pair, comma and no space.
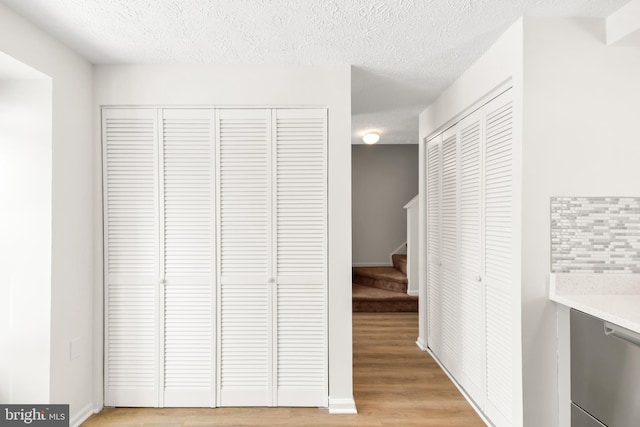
413,293
83,415
460,389
342,406
372,264
421,344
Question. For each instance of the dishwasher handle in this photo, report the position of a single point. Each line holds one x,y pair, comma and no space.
622,333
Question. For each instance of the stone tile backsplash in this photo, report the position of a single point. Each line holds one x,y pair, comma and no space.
595,234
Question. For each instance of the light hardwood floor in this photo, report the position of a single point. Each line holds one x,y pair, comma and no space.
395,384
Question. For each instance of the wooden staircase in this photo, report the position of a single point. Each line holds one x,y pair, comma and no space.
383,289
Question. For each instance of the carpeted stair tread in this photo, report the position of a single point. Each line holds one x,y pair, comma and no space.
382,273
400,262
374,294
368,299
387,278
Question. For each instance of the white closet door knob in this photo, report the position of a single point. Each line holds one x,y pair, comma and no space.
478,278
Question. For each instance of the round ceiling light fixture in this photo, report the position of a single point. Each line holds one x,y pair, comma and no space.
371,138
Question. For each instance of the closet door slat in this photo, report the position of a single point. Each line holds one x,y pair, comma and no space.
245,327
189,256
499,258
300,256
131,239
472,319
434,232
449,248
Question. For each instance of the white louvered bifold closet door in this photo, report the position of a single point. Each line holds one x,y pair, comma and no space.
131,257
300,257
245,253
471,314
499,258
189,256
450,287
434,233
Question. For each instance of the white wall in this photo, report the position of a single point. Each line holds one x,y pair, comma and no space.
72,208
261,86
581,139
384,179
25,240
500,63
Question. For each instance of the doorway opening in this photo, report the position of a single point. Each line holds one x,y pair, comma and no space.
384,223
25,231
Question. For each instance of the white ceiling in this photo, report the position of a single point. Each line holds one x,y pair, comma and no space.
403,52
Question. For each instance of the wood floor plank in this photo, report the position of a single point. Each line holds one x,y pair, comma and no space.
395,384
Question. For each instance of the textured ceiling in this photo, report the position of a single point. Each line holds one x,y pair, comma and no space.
403,52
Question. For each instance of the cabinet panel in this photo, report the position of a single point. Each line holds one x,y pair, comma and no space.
131,257
434,269
472,319
450,286
499,356
189,256
300,241
244,137
499,258
245,197
245,345
300,177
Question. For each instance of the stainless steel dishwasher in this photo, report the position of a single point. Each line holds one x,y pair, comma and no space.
605,373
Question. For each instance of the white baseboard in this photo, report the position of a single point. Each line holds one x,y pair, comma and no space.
421,344
372,264
461,390
342,406
82,415
413,293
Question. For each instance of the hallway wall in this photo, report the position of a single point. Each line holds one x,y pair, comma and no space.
384,179
71,225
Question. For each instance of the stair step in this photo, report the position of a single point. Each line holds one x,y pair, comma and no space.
400,262
387,278
368,299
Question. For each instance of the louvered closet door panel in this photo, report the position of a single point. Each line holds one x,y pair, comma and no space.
131,242
245,238
434,268
450,287
300,238
189,256
471,317
499,258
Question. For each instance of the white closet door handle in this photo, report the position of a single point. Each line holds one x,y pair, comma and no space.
163,281
478,278
271,280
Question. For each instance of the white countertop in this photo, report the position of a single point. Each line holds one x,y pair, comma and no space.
611,297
